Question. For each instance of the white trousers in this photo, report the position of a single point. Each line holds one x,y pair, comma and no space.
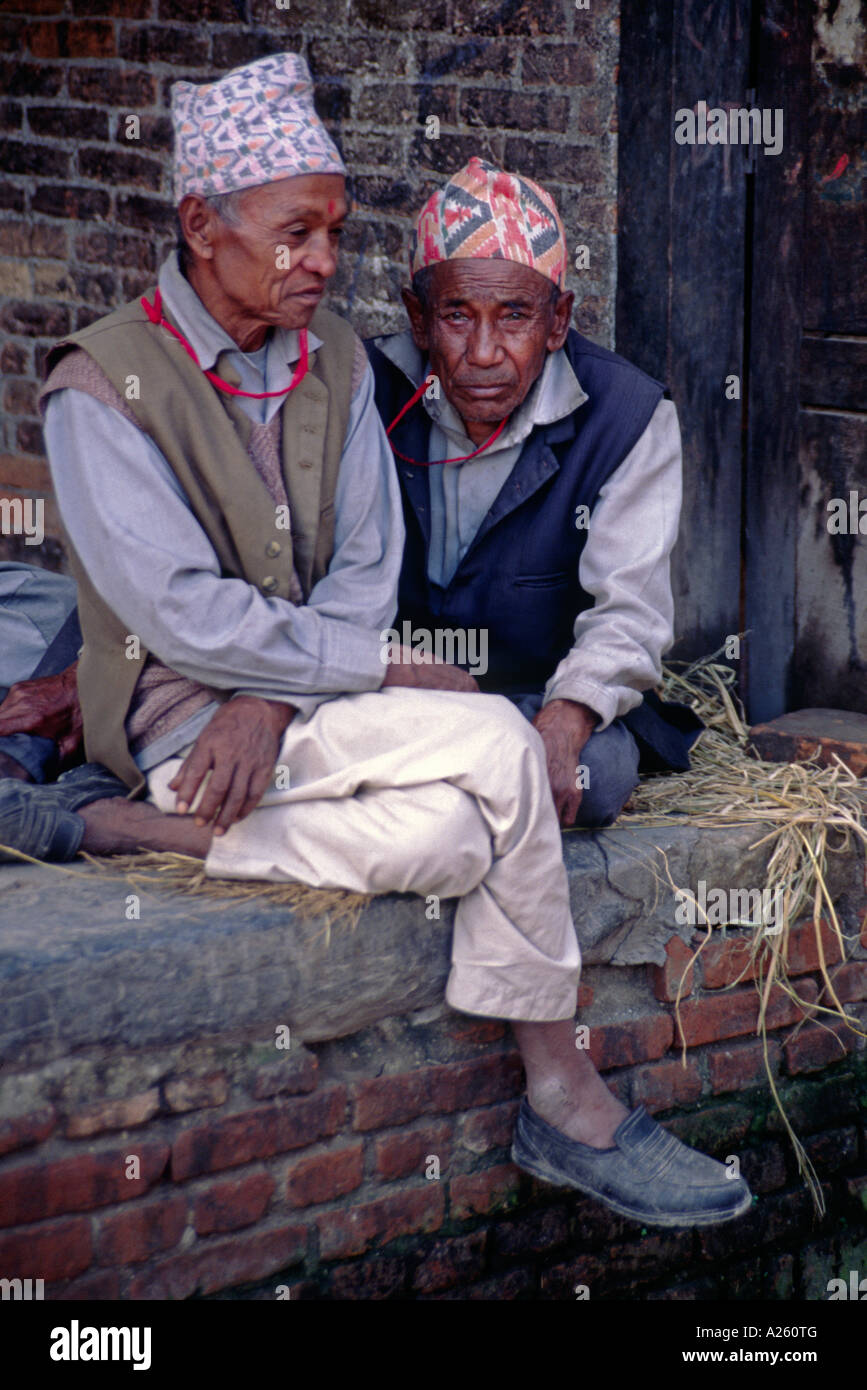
417,791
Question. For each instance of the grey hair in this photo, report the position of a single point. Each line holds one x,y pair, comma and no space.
227,206
421,287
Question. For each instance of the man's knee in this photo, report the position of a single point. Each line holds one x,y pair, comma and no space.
611,762
441,845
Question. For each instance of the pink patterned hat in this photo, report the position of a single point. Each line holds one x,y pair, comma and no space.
255,125
484,212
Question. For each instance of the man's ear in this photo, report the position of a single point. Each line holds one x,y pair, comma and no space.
562,320
417,322
197,220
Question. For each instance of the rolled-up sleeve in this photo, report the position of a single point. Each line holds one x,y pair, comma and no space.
625,565
146,554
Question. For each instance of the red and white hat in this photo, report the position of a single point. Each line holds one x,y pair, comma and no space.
484,212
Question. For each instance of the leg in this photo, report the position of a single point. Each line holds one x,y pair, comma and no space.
611,758
514,951
458,772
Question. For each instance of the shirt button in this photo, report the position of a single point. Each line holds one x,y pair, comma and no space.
305,463
269,584
272,549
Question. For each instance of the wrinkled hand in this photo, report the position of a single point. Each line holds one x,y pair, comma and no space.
424,672
47,707
565,727
239,747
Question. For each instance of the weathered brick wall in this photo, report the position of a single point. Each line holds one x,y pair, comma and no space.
85,212
312,1168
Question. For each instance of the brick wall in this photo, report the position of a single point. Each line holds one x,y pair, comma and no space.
312,1168
85,212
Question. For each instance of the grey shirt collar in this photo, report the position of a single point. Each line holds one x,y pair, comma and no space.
207,338
555,393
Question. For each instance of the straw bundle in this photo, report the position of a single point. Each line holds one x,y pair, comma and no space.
804,813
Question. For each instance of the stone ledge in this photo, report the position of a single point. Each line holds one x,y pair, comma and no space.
74,972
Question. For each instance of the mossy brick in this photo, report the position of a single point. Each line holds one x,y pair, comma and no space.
451,1262
815,1105
819,1264
536,1233
381,1276
833,1149
492,1189
351,1230
715,1129
561,1280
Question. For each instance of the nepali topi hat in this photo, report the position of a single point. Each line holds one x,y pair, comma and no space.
253,126
484,212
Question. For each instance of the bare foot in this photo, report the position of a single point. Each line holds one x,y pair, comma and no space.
117,826
592,1121
563,1085
10,768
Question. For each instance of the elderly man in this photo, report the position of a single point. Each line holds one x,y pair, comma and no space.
234,518
510,431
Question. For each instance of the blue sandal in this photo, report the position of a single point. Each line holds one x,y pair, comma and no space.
39,819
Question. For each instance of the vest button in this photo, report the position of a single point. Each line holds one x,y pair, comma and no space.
272,549
269,584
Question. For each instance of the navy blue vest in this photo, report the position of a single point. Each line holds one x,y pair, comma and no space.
519,576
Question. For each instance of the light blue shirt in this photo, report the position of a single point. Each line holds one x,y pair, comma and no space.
139,541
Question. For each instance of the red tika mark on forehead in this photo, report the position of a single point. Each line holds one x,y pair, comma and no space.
331,206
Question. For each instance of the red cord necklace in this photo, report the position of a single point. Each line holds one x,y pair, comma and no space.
155,315
430,463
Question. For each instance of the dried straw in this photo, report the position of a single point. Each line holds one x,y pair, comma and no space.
181,873
804,812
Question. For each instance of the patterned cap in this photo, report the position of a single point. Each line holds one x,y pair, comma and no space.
255,125
484,212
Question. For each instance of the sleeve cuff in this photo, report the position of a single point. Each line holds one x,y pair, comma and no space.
610,703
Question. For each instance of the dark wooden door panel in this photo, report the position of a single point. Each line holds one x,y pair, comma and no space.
831,629
830,647
835,284
834,371
756,270
681,279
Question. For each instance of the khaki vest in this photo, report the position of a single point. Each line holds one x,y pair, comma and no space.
202,433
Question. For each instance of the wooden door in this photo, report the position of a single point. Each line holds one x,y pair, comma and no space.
737,263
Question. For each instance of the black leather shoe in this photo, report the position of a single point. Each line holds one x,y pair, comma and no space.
40,820
648,1175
